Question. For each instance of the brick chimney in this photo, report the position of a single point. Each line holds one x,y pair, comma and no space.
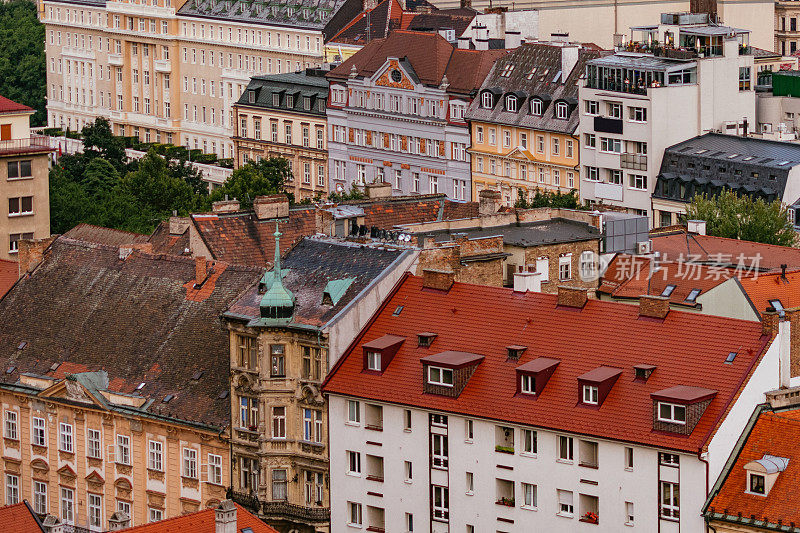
200,269
30,253
52,524
653,306
273,206
225,517
379,189
225,206
572,296
793,323
488,202
769,321
119,520
438,279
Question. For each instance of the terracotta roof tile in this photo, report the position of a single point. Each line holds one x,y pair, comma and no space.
484,320
773,286
135,318
10,106
166,243
19,518
9,272
202,522
774,433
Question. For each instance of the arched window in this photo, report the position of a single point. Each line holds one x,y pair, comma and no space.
562,110
536,107
487,101
511,103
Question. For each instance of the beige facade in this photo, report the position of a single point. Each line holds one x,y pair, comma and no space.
25,193
787,33
159,74
82,459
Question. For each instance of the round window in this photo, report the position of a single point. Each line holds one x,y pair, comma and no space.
396,76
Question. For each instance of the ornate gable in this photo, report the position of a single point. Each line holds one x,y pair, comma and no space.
392,74
70,389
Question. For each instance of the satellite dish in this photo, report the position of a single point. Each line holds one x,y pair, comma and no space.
407,238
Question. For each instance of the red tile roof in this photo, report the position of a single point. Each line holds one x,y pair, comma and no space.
707,248
430,56
202,522
630,276
774,433
10,106
773,286
484,320
19,518
9,272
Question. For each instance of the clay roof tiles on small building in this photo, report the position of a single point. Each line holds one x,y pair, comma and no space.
485,320
764,288
19,518
9,272
8,106
140,317
101,235
203,522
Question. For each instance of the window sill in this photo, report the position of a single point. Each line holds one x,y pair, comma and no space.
587,521
374,428
470,493
357,526
19,215
529,455
629,524
408,481
375,478
407,430
629,469
354,474
565,461
21,178
588,465
353,424
528,508
469,441
566,515
669,518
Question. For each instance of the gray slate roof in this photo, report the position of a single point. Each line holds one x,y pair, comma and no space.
306,14
557,230
308,83
546,59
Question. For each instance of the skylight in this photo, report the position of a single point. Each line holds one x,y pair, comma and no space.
777,305
532,73
167,398
507,70
398,310
748,158
701,151
782,163
732,156
140,386
731,357
668,291
693,295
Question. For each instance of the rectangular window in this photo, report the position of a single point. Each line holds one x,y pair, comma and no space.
155,457
607,144
20,205
123,450
248,351
529,444
189,463
67,505
374,361
672,413
215,469
279,422
353,463
637,181
409,471
155,515
12,489
10,425
279,485
468,430
470,483
439,450
565,268
637,114
40,497
614,110
65,437
670,500
590,140
95,510
592,107
354,514
407,419
441,503
744,78
565,505
527,384
756,483
565,448
440,376
19,169
628,458
39,432
528,496
353,412
277,359
629,514
590,394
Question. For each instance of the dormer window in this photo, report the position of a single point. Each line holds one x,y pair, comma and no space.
642,372
379,352
763,473
672,413
289,100
756,483
251,97
527,384
374,361
515,352
425,339
511,103
440,376
590,394
487,100
562,110
536,107
276,99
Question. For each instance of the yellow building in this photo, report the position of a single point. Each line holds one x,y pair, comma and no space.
523,122
24,173
283,115
114,397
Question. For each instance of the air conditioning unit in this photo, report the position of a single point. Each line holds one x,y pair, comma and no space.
644,247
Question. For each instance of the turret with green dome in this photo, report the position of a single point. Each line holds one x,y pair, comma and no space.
278,301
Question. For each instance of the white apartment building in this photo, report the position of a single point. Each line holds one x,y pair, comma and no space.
679,79
463,408
169,71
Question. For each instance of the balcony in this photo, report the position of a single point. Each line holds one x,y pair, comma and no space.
162,65
633,161
115,60
32,144
608,191
295,512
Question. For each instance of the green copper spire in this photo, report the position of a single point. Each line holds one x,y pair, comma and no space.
278,301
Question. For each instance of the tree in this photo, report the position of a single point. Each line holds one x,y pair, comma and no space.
154,186
99,141
23,76
742,217
546,198
69,203
264,177
99,177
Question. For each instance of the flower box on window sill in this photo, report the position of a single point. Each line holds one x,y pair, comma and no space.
508,502
590,518
375,478
504,449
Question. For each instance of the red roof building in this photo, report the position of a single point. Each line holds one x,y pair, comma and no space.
19,518
582,385
9,272
229,517
8,106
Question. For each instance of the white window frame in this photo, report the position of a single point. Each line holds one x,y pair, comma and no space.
40,497
189,463
155,455
441,512
673,407
487,100
123,447
590,394
214,469
528,491
566,503
353,408
65,437
527,384
12,489
442,372
529,442
353,463
39,432
95,509
94,444
67,505
669,510
11,425
355,516
374,361
566,454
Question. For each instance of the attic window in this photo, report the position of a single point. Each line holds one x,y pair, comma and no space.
527,384
167,398
532,73
756,484
251,97
777,305
307,103
425,339
507,70
642,372
374,361
590,394
693,295
762,474
511,103
515,352
10,370
678,409
667,291
731,357
487,100
276,99
533,375
289,100
379,352
440,376
447,373
562,110
596,384
537,107
672,413
398,310
140,386
197,375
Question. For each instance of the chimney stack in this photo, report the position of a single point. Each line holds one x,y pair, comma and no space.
225,206
464,42
481,37
696,226
438,279
572,296
378,189
569,58
30,253
527,282
52,524
653,306
200,269
225,517
178,225
488,202
273,206
119,520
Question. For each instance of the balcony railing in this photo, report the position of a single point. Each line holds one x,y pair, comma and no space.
633,161
34,143
296,512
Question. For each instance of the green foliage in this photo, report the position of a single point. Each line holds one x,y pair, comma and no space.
352,194
264,177
546,198
741,217
99,141
22,59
